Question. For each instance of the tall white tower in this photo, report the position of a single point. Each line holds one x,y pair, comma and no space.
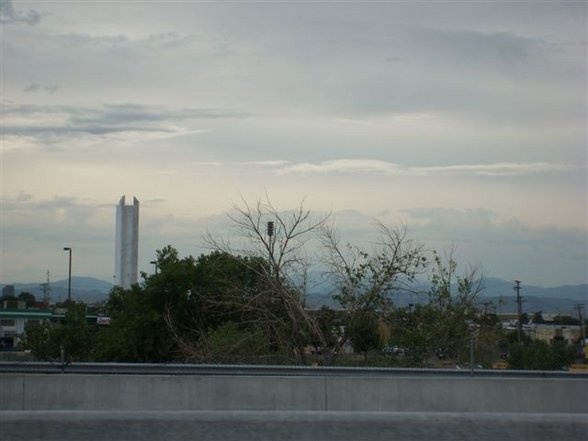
127,243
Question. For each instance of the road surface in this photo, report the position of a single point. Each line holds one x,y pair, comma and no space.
287,426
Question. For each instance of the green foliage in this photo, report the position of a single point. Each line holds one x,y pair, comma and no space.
524,318
166,317
136,332
229,343
28,298
446,325
365,333
74,335
368,280
513,337
331,324
539,355
538,318
42,341
565,320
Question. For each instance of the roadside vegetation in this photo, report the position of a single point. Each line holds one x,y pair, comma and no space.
246,304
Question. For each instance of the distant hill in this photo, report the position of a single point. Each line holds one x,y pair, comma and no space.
85,283
84,289
558,300
494,287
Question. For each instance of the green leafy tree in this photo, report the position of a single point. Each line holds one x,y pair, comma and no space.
171,313
367,281
538,318
364,333
489,336
454,297
565,320
73,335
539,355
78,337
228,343
137,332
416,331
28,298
42,341
332,327
445,325
224,289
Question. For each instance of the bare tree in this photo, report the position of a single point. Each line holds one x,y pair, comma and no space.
275,241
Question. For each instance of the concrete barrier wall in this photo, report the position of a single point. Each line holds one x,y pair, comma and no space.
290,393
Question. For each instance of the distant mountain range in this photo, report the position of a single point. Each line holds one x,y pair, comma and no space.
558,300
83,289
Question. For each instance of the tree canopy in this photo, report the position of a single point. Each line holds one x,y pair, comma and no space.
247,304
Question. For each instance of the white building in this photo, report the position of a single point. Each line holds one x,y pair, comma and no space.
127,243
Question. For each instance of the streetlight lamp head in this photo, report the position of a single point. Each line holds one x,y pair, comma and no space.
66,248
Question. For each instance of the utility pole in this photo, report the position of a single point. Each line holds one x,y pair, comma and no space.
579,308
519,311
46,289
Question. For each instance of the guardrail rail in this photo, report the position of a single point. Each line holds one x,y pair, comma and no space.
265,370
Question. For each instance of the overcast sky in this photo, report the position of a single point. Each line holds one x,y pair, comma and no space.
466,121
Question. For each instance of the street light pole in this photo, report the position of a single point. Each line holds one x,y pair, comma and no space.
517,288
69,279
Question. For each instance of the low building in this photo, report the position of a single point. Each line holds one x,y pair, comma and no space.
8,291
566,334
14,317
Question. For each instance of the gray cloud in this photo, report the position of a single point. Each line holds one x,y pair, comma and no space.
33,87
480,50
9,15
364,108
169,40
337,61
165,40
24,196
112,118
58,217
384,167
505,247
268,163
